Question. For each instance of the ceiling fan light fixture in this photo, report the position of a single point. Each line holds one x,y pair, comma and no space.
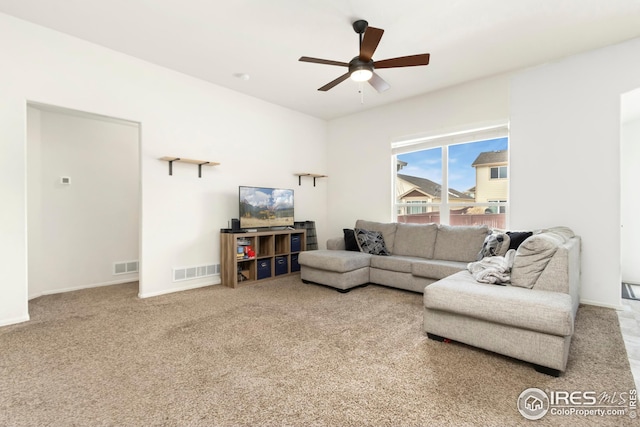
361,67
361,75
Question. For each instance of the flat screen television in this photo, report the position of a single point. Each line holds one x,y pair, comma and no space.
265,207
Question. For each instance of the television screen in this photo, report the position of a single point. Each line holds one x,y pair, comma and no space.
265,207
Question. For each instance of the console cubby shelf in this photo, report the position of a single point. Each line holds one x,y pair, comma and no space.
200,163
312,175
276,255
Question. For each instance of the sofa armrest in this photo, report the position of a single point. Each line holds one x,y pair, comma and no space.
336,244
562,274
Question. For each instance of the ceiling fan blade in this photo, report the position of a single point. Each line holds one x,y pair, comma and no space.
370,42
403,61
334,82
378,83
323,61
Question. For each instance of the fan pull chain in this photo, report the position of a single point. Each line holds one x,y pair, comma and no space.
361,91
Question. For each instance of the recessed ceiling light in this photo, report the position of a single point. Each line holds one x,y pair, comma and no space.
241,76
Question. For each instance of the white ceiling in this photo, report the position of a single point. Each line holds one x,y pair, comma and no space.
213,40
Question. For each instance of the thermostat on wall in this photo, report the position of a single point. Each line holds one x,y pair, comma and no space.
65,180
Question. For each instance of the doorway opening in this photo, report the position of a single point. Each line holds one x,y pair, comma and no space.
629,198
83,200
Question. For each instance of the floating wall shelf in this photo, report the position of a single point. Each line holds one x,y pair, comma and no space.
200,163
313,175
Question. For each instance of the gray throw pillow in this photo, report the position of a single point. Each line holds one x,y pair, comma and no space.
371,242
532,258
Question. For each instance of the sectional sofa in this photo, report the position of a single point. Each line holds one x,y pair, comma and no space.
529,317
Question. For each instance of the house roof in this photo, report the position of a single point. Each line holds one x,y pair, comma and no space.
432,188
491,158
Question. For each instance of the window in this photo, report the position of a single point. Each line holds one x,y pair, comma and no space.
472,167
416,207
500,208
499,172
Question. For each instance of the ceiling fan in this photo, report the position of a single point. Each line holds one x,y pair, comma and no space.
361,67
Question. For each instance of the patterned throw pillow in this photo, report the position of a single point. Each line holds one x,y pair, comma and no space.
371,242
495,244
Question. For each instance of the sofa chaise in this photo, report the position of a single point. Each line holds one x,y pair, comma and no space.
531,317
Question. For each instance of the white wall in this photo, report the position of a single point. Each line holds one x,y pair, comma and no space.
360,166
630,199
257,143
565,155
76,232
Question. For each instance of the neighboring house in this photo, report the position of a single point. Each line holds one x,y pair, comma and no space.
492,177
471,192
412,189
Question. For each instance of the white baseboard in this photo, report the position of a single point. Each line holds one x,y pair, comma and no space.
33,296
599,304
215,281
78,288
7,322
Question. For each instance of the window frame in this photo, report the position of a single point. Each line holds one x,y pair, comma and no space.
444,141
500,204
498,170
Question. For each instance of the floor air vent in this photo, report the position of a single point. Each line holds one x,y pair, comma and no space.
189,273
125,267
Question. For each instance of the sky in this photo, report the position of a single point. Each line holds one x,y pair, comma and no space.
273,198
428,163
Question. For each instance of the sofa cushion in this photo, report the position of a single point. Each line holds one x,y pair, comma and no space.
337,261
415,240
394,263
459,243
532,257
436,269
371,242
542,311
388,231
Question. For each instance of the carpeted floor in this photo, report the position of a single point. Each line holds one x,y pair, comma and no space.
276,353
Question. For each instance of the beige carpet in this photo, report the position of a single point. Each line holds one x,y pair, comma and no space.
277,353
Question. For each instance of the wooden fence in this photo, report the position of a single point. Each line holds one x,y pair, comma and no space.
492,220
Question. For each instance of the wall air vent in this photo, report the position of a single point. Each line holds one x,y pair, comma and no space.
189,273
125,267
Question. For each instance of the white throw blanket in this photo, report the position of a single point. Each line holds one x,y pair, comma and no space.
495,269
